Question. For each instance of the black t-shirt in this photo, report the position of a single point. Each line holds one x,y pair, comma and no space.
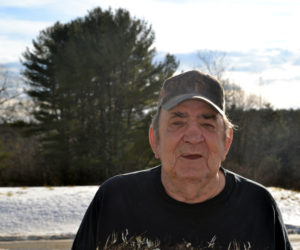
135,209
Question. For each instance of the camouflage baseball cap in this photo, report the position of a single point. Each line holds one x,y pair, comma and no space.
192,85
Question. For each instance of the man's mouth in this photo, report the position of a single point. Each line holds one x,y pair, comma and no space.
191,156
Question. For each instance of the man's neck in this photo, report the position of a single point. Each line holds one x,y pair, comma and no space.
191,191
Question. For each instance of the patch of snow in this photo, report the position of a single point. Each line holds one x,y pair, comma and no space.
56,212
288,202
43,212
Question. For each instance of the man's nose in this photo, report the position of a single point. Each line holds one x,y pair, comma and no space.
193,134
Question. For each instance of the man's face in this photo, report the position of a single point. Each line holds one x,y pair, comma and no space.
191,143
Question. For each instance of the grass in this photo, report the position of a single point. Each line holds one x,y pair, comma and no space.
9,194
49,187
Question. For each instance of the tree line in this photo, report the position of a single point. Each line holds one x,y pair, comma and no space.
93,83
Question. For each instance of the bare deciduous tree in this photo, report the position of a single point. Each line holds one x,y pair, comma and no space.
12,106
215,63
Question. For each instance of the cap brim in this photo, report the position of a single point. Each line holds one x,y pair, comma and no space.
180,98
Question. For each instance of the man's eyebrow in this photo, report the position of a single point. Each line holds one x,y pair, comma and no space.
178,114
208,116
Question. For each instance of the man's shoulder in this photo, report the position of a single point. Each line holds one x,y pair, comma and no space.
248,186
132,179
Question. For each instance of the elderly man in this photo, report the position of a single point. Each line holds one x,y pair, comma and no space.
189,201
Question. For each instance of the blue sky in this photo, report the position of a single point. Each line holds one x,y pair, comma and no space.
260,37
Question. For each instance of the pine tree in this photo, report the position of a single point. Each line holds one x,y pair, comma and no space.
93,81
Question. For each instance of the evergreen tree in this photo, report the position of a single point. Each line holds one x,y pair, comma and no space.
93,81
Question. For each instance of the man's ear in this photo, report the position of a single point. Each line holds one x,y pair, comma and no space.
228,141
153,142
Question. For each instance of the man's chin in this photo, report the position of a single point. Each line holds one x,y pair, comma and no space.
192,174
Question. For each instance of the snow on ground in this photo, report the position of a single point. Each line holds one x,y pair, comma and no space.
42,212
289,204
56,212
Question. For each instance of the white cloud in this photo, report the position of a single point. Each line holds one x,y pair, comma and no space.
185,26
225,25
280,85
270,73
22,28
15,36
26,3
11,50
284,94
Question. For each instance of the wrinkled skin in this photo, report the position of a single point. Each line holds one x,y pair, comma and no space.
191,146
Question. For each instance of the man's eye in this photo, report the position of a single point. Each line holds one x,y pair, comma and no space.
208,125
177,123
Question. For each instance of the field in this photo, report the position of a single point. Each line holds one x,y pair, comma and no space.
54,213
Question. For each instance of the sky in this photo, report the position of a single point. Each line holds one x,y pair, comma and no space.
260,38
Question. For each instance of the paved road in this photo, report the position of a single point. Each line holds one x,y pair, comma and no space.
295,239
37,245
66,244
